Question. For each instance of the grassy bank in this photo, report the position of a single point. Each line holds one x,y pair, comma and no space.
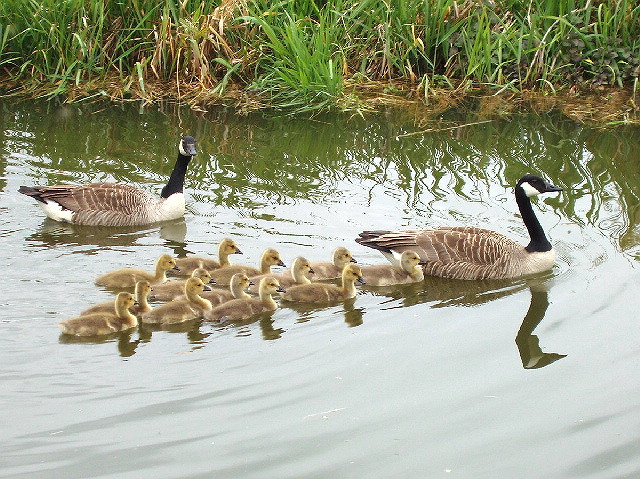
307,55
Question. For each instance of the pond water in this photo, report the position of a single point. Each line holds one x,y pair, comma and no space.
528,378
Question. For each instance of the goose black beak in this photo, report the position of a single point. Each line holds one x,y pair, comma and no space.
311,271
549,188
206,288
361,280
175,268
251,283
353,260
237,251
281,263
281,289
189,146
212,281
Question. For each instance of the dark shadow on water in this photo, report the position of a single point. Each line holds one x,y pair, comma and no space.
264,320
352,316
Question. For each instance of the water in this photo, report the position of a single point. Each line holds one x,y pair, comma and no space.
526,378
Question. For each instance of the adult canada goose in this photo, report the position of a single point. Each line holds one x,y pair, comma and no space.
300,268
128,277
180,311
100,323
326,293
409,271
270,257
333,270
466,252
225,248
243,308
141,306
172,289
114,204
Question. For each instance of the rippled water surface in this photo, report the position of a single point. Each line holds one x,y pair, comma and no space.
527,378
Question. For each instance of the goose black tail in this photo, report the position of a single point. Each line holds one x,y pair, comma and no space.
368,238
34,192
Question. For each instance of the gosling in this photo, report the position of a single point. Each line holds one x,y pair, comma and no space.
175,312
172,289
128,277
327,293
101,323
239,283
243,308
225,248
141,306
300,269
333,270
409,271
270,257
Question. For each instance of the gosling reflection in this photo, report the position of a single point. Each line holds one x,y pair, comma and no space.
528,343
125,344
264,320
308,311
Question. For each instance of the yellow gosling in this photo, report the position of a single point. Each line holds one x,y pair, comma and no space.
300,269
172,289
333,270
409,271
141,306
243,308
128,277
180,311
101,323
326,293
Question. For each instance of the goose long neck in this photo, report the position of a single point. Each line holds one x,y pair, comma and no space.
124,314
265,267
238,292
176,180
160,274
141,298
348,286
539,242
297,273
223,256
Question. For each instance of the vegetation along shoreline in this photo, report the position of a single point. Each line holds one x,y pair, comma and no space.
308,56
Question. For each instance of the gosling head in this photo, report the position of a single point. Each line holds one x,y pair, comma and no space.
125,300
270,285
167,262
352,272
195,286
240,281
302,265
228,246
204,276
143,289
410,261
533,185
272,257
342,256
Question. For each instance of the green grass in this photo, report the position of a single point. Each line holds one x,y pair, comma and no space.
297,55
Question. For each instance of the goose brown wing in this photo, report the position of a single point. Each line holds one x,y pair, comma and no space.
114,197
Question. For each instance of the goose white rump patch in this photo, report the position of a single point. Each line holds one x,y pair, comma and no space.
54,211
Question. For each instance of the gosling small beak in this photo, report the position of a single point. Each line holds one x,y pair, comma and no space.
237,251
212,281
251,283
353,260
281,289
361,280
206,288
311,271
281,263
175,268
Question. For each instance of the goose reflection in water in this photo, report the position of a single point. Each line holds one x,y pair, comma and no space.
126,345
54,233
528,343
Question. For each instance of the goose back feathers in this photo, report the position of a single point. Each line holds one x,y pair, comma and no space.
114,204
326,293
243,308
475,253
104,322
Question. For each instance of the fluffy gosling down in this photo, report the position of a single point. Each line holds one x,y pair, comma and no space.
172,289
141,306
128,277
237,289
409,271
226,248
114,204
270,257
243,308
101,323
300,269
326,293
179,311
